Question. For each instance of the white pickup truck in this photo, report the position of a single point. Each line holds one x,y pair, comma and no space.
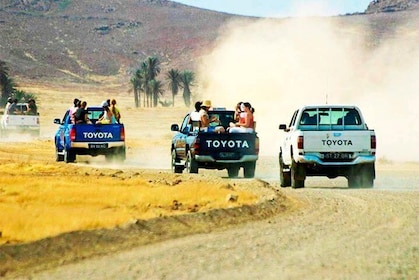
327,140
21,122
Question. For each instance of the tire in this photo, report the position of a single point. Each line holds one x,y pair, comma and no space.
297,175
362,176
110,157
233,171
176,168
354,181
249,169
69,156
119,155
284,177
367,176
191,164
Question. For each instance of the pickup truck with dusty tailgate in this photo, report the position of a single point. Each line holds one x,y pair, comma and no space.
192,148
89,139
20,122
327,140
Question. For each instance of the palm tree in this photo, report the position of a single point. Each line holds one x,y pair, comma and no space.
150,68
156,89
142,74
135,84
4,77
174,83
186,79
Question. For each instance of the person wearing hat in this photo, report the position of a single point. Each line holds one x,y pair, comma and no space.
206,120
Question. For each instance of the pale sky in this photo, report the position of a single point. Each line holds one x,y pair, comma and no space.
281,8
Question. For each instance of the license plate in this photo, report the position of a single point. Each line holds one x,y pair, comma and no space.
337,156
227,155
98,146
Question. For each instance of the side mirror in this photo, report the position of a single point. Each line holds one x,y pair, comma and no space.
57,121
174,127
282,126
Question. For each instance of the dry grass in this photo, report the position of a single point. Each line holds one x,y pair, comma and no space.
39,200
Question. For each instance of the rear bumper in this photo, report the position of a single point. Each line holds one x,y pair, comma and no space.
208,158
85,145
312,159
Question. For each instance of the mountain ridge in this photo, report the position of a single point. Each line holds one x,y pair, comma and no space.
88,42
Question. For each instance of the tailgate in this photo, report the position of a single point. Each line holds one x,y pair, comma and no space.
228,146
24,120
99,133
337,141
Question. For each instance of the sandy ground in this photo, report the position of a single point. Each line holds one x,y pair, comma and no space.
324,231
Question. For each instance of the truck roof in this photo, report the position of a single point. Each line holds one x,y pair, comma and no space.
330,106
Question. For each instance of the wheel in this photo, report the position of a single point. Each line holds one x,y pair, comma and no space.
249,169
69,156
354,181
284,176
367,175
191,164
121,154
58,157
110,157
176,168
297,175
233,171
362,176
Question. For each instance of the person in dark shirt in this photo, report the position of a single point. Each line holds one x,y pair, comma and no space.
81,114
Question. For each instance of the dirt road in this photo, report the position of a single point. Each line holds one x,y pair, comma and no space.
337,233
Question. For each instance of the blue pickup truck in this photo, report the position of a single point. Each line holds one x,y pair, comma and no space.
89,139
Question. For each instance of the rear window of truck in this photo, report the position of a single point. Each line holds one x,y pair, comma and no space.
330,117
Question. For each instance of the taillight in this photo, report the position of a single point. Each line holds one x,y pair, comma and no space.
196,146
73,134
122,133
373,142
300,142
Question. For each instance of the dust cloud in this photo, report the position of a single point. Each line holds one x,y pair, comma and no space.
280,65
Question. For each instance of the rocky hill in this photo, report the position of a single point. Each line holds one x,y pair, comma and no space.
88,41
80,40
378,6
